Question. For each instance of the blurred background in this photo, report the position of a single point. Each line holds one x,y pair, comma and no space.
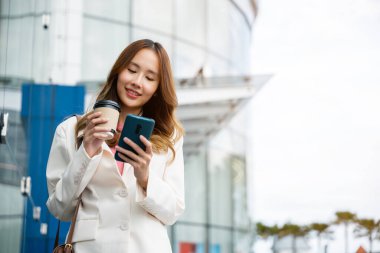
279,100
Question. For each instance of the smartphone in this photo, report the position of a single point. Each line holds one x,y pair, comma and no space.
134,126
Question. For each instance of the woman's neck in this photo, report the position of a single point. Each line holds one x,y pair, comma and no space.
125,111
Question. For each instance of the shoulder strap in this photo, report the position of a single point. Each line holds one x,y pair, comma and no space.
72,226
73,221
57,235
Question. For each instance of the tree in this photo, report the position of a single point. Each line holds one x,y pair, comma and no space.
266,232
295,232
322,230
368,228
345,218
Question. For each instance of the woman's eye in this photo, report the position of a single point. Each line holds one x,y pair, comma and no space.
149,78
132,71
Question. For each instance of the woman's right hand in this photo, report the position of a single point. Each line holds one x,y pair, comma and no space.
94,135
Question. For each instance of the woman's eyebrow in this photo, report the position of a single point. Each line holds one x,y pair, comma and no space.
138,66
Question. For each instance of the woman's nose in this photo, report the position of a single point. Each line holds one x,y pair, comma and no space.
138,80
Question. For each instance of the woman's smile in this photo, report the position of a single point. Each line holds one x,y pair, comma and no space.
132,94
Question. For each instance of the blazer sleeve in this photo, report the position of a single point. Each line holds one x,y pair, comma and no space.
165,197
68,172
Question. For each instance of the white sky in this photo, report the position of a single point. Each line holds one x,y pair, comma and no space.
316,124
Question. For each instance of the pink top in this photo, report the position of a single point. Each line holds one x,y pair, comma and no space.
120,165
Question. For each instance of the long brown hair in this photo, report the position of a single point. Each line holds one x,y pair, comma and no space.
161,107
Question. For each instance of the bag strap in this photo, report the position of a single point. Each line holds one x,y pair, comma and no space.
72,226
57,235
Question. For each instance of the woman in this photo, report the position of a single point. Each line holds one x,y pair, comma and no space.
124,206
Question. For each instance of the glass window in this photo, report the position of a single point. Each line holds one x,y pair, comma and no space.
242,241
163,39
11,217
188,60
150,15
218,27
220,188
13,157
191,21
228,37
240,211
189,239
19,48
195,189
221,241
116,10
240,44
102,44
247,8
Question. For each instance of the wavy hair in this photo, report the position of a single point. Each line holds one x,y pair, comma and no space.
161,107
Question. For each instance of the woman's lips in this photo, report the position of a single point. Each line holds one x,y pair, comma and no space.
132,94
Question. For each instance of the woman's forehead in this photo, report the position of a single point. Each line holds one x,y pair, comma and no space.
146,59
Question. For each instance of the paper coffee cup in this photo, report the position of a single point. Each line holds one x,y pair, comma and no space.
111,110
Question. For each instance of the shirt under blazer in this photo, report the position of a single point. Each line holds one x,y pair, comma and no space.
115,214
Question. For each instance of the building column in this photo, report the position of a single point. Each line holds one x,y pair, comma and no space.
66,41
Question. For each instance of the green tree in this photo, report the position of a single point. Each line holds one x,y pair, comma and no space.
368,228
295,231
266,232
345,218
322,231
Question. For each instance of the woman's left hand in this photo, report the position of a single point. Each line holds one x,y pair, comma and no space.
140,161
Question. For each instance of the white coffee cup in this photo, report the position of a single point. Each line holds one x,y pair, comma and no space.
110,110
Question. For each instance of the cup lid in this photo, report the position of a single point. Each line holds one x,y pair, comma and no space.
107,103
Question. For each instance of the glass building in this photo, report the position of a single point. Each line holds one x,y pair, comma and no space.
55,55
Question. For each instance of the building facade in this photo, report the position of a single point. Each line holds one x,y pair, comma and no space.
74,43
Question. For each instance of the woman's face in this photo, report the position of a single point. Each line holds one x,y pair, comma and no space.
139,81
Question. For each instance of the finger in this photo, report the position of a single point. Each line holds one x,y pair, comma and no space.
93,115
147,143
128,160
98,129
97,121
90,117
128,153
134,146
89,133
100,136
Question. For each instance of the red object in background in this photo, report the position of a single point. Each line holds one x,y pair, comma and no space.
361,250
187,247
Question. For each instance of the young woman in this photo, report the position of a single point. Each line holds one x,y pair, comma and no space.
124,206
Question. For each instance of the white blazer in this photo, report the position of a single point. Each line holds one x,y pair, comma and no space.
115,214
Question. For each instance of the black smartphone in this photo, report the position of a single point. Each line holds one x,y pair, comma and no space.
134,126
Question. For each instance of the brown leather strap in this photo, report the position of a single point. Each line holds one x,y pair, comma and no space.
73,221
72,226
57,235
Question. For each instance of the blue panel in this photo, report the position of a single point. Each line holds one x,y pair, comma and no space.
215,248
199,248
43,108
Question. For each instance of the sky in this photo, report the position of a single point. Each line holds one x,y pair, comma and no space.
316,123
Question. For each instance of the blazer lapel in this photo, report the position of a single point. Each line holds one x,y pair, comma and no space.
127,166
